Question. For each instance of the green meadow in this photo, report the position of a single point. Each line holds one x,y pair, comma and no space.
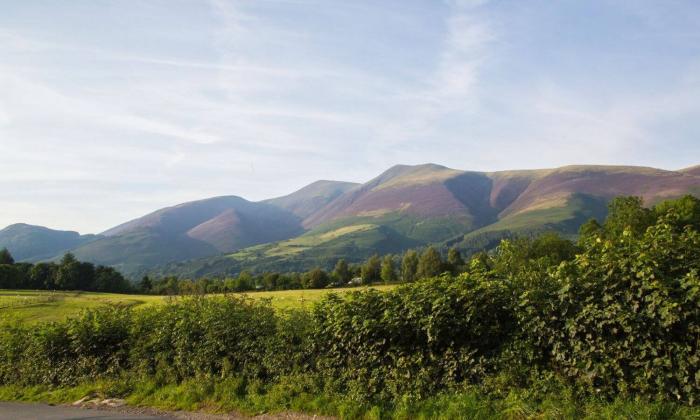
33,306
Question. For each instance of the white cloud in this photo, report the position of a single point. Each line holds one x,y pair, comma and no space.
262,97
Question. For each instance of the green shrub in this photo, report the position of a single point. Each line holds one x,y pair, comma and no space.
624,316
413,340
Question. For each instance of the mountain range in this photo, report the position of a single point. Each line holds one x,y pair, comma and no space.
404,207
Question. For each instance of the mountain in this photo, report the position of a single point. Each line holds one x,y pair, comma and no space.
409,206
404,207
35,243
307,201
190,230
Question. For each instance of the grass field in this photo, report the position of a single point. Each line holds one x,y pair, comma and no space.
30,306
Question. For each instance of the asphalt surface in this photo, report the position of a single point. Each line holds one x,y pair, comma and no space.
22,411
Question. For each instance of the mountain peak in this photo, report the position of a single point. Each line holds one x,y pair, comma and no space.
32,243
419,174
309,199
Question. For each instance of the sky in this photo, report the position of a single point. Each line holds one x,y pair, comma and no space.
112,109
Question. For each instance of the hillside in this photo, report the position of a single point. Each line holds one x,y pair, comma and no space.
404,207
190,230
307,201
693,170
34,243
410,206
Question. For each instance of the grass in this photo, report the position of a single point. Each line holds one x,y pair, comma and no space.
298,394
33,306
300,244
289,299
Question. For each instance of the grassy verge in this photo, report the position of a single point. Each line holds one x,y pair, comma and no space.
295,394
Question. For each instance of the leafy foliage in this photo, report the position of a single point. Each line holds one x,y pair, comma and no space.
6,257
68,274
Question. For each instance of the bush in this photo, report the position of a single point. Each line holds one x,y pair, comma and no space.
413,340
627,318
204,337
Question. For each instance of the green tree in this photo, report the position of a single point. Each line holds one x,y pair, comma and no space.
409,266
455,261
243,282
314,279
10,277
627,213
687,209
68,275
107,279
271,280
589,229
430,263
388,272
146,285
341,272
371,270
6,257
86,276
42,276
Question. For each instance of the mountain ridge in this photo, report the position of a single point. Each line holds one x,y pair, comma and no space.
404,206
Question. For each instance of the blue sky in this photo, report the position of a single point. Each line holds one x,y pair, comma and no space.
112,109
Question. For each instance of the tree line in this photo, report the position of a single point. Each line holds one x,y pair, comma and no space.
67,274
408,267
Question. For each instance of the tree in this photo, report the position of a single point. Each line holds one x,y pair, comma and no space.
68,275
589,229
86,276
409,266
43,276
243,282
430,263
270,281
10,277
454,260
146,285
687,209
341,272
315,279
371,270
627,213
107,279
6,257
388,272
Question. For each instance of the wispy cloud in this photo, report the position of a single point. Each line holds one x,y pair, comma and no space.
170,101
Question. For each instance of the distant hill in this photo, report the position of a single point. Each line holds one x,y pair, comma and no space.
190,230
404,207
409,206
35,243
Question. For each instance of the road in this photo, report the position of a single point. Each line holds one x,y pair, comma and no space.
22,411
